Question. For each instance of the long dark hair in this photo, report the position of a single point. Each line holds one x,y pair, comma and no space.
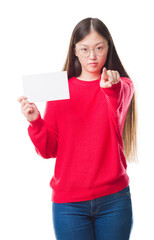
73,68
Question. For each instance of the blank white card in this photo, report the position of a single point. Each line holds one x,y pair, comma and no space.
46,87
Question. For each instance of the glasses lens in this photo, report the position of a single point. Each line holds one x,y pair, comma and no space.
84,52
99,51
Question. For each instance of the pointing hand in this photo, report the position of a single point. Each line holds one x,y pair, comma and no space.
109,77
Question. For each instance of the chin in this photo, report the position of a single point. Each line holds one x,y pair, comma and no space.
95,71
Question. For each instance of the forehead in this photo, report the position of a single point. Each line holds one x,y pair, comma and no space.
92,39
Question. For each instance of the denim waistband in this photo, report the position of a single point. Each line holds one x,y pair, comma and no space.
126,189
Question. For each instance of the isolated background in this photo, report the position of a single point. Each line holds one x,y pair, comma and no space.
34,39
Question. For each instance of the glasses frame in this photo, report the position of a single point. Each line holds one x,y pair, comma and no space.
90,49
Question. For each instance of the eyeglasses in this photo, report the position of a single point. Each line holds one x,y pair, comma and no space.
85,51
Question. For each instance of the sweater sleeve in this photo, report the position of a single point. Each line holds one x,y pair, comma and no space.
43,132
118,98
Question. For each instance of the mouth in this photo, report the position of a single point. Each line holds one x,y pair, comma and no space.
93,64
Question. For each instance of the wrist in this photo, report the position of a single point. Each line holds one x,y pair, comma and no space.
35,119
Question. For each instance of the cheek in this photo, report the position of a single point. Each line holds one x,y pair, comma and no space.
82,61
102,60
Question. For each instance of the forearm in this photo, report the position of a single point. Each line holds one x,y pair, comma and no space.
45,141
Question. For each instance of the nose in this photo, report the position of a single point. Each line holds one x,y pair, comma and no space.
92,54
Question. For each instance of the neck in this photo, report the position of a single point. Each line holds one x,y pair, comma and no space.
88,76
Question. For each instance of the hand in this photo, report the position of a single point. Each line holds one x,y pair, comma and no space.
28,109
108,78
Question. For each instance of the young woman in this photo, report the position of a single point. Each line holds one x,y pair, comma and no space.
91,135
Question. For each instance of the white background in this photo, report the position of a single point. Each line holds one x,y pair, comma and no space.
34,38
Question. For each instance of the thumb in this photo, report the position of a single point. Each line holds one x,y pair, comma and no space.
21,98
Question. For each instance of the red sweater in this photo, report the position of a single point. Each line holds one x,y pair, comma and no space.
84,134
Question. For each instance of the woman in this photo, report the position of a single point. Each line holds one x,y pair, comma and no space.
90,188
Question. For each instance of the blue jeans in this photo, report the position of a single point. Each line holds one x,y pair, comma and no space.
105,218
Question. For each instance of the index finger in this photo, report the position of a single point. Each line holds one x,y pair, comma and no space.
105,75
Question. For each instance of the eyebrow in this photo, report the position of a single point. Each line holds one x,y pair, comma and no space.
94,45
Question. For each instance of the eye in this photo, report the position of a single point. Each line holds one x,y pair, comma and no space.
83,49
99,48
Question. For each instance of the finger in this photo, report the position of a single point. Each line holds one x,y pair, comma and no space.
114,77
26,106
118,76
24,102
104,74
21,98
110,76
105,84
29,110
108,84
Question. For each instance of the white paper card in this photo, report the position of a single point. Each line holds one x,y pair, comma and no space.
46,86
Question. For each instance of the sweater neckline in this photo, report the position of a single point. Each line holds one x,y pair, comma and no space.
85,83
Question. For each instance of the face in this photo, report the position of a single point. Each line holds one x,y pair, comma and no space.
92,52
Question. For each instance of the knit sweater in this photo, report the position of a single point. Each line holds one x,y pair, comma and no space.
84,134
